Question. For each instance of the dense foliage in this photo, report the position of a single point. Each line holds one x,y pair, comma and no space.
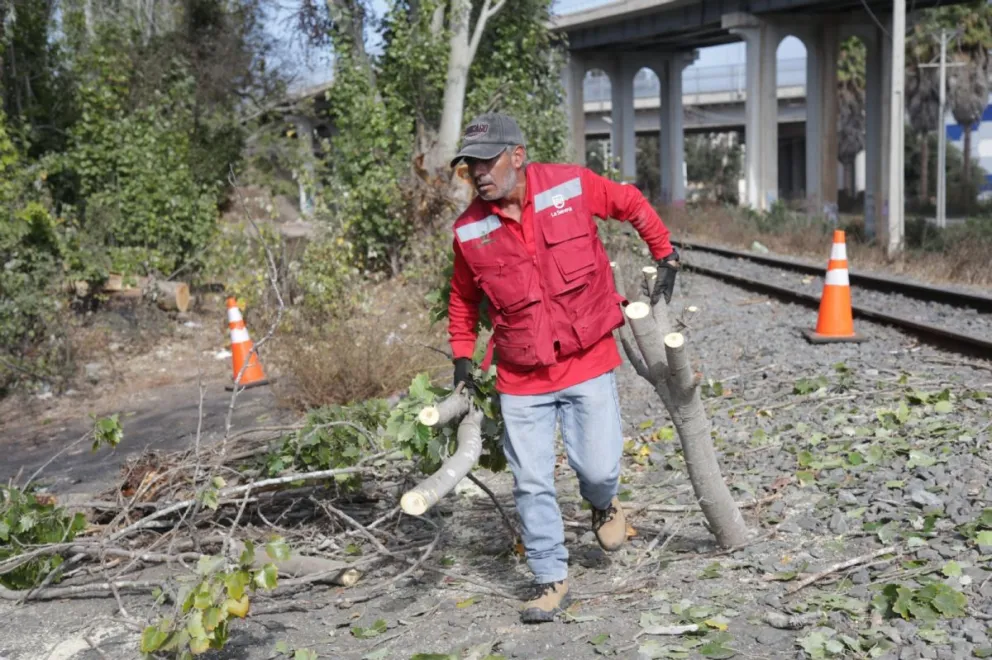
386,111
119,124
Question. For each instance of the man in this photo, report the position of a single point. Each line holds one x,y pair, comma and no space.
529,243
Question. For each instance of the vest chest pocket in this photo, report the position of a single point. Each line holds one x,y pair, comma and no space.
506,285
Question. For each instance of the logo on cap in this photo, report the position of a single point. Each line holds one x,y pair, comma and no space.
475,131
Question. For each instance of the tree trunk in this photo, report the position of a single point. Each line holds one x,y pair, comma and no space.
924,169
664,363
454,86
463,44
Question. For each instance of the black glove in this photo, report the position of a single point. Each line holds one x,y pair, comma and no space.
664,285
463,373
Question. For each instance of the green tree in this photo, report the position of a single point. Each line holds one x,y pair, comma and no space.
850,105
382,179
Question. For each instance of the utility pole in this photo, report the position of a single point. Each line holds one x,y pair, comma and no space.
896,130
942,132
942,137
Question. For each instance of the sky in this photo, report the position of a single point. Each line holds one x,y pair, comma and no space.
317,69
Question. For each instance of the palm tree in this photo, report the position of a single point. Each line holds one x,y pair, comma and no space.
969,94
850,106
968,83
923,94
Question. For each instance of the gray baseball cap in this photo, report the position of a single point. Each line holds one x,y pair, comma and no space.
487,135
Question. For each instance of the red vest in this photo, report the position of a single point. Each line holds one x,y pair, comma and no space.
562,299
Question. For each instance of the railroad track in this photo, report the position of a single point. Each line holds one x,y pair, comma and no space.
890,301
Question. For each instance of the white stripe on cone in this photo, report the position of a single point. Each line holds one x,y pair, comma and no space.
839,251
838,277
233,314
239,335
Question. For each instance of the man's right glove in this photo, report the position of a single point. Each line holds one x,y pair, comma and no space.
463,373
668,268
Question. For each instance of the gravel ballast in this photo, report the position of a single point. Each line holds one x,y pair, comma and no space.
960,319
869,445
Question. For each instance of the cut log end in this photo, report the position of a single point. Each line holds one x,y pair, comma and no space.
637,310
414,503
649,271
693,309
348,577
674,340
429,416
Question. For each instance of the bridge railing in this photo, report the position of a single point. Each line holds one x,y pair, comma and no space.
697,80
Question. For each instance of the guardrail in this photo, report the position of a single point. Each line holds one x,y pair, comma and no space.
697,80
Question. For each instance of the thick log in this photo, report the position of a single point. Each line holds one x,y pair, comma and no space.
299,566
429,492
693,426
171,296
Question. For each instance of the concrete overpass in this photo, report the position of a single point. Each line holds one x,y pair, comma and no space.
624,36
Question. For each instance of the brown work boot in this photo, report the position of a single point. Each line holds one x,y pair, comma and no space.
549,599
610,525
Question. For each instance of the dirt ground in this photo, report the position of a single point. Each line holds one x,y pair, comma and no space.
769,439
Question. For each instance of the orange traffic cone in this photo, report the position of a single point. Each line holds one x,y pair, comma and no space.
241,347
835,322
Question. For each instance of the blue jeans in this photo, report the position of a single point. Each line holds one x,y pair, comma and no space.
593,437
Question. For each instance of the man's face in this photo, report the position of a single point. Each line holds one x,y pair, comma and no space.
496,178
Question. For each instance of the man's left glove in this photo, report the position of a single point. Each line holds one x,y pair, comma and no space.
664,285
463,374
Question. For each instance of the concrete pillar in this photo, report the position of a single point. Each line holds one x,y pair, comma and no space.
622,114
671,138
822,46
573,77
877,76
761,38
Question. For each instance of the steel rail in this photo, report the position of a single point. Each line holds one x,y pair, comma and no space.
978,345
884,283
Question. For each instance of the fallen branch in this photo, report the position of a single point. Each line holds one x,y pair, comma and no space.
668,630
429,492
689,508
668,370
805,582
794,622
313,569
514,534
95,589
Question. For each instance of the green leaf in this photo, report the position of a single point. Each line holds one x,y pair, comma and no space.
943,407
374,630
949,602
716,647
282,646
984,538
267,578
985,652
152,639
277,549
646,424
194,625
236,583
305,654
951,569
468,602
599,639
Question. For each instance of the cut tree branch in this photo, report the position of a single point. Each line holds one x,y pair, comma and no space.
429,492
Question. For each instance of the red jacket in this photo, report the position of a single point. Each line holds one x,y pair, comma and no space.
548,278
